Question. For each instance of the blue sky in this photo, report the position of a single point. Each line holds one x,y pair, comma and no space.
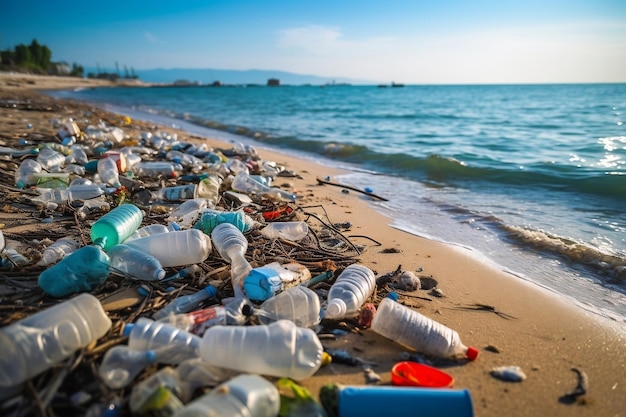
419,41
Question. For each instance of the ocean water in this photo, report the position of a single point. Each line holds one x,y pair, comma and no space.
531,178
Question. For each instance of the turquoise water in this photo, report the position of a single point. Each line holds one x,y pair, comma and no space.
530,177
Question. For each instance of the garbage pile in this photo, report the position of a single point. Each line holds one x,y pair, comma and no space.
187,284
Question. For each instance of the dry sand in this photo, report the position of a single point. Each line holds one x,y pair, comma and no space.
546,336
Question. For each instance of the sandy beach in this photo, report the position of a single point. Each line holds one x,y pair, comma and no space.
511,322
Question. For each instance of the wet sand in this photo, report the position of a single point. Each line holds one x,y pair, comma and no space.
510,321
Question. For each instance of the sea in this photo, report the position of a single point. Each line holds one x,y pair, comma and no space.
529,178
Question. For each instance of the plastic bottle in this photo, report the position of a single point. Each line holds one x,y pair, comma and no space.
298,304
186,303
410,328
77,155
82,270
115,226
278,349
57,250
154,169
25,173
188,212
209,189
136,263
352,287
51,160
152,229
121,365
286,230
40,341
198,321
232,245
109,174
50,195
146,334
177,193
242,396
178,248
262,283
84,191
211,218
244,183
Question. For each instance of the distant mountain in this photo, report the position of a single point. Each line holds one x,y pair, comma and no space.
253,76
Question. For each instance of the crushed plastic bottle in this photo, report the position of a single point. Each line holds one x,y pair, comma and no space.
25,173
58,250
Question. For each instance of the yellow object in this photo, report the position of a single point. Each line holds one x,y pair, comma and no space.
127,120
326,359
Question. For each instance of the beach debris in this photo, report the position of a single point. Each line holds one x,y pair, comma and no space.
492,348
391,250
437,292
366,315
300,402
508,373
408,281
371,377
327,181
342,356
488,308
582,386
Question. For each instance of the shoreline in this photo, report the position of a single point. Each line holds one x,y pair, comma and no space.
547,337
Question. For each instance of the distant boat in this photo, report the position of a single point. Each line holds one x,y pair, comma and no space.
396,84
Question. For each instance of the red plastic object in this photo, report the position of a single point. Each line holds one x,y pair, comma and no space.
413,374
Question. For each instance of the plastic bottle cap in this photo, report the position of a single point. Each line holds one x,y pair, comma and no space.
472,353
101,241
336,308
393,295
128,327
159,274
175,226
211,290
151,356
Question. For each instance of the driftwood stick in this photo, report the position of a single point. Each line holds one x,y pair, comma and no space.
336,184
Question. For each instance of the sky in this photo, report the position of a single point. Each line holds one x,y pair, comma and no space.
411,42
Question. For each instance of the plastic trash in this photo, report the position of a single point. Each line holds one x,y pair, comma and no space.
82,270
232,245
188,212
198,321
186,303
84,192
155,169
120,365
25,173
286,230
50,160
242,396
412,329
58,250
209,189
152,229
115,226
350,291
211,218
133,262
298,304
176,248
109,174
374,401
244,183
40,341
278,349
177,193
146,334
262,283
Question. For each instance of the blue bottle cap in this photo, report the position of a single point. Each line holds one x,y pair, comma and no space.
128,327
211,290
393,296
151,356
175,226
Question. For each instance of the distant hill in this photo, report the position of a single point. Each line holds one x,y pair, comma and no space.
253,76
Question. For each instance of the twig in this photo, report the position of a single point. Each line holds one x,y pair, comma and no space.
336,184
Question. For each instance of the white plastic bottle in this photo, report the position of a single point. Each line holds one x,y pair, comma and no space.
298,304
350,291
232,245
279,349
178,248
40,341
412,329
286,230
109,174
135,263
186,303
152,229
25,173
57,250
242,396
146,334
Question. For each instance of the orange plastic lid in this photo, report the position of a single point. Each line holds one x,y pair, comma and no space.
413,374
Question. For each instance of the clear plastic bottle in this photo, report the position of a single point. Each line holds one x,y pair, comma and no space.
350,291
146,334
120,365
25,173
135,263
40,341
177,193
198,321
279,349
58,250
242,396
286,230
82,270
51,195
84,191
412,329
108,171
262,283
186,303
152,229
298,304
77,155
154,169
115,226
244,183
188,212
211,218
232,245
51,160
209,189
183,247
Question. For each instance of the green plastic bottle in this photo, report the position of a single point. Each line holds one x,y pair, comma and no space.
115,226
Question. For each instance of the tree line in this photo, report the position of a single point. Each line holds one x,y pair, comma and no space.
37,58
